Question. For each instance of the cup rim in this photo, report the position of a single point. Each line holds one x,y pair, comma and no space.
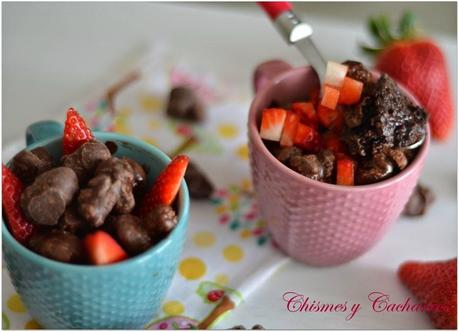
115,267
256,141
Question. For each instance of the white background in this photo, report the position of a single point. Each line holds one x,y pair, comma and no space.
53,53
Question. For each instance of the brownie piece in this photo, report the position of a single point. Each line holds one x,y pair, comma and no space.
198,183
27,165
390,120
288,153
374,169
184,104
44,201
420,200
307,165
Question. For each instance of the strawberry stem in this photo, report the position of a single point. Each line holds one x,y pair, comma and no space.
383,35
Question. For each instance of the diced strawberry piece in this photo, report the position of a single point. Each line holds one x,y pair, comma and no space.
272,123
330,118
307,113
307,138
76,132
289,131
345,168
103,249
332,142
350,92
12,187
330,97
166,186
335,74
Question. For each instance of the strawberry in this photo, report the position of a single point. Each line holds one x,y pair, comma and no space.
335,74
288,133
103,249
345,168
272,123
307,138
76,132
330,97
350,92
332,142
307,113
20,228
419,64
166,185
330,118
434,283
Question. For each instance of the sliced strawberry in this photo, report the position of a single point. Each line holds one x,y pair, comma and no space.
103,249
331,141
12,187
166,185
335,74
434,283
345,168
350,92
330,97
76,132
289,131
307,138
330,118
272,123
307,113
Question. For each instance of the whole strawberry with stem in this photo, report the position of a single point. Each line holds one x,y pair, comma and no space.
419,64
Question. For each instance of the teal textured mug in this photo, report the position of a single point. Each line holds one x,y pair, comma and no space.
124,295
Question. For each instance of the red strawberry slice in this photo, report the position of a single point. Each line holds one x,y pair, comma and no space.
307,138
307,113
288,133
272,123
20,228
166,185
103,249
434,283
345,168
350,92
76,132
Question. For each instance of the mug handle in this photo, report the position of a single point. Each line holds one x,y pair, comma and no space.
266,71
43,130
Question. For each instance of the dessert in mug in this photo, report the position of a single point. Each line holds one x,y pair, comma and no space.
89,207
359,129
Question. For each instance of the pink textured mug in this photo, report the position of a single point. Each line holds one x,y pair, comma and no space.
319,223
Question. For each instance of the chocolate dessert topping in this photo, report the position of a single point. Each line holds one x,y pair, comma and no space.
44,201
110,188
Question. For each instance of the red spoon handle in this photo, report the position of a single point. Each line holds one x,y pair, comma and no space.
274,9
